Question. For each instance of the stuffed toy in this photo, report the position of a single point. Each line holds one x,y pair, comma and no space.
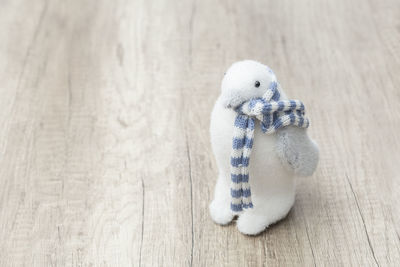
260,142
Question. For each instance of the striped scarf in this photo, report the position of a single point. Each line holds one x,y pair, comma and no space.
273,114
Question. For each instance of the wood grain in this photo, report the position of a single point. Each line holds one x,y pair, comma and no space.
105,157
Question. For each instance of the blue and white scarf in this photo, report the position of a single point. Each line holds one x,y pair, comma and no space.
273,114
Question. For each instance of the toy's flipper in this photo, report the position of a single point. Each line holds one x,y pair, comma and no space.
297,151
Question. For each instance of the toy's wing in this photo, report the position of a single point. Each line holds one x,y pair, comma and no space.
297,151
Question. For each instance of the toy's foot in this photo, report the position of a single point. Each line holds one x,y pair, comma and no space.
221,212
252,224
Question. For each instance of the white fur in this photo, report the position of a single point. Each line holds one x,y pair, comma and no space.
272,173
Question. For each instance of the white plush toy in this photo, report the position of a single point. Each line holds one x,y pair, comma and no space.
260,143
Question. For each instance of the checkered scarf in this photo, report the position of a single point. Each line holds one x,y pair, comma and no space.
273,114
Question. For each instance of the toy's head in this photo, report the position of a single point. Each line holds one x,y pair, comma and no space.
245,80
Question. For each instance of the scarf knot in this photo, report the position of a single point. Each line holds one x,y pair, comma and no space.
273,114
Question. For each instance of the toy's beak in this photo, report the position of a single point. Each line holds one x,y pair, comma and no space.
231,100
228,104
226,101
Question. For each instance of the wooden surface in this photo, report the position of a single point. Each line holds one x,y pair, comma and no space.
105,157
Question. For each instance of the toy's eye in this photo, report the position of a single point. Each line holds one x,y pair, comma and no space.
257,84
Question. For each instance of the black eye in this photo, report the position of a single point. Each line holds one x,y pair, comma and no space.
257,84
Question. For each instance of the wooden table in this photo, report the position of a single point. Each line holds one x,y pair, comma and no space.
105,158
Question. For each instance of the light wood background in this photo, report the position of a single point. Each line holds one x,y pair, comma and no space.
105,157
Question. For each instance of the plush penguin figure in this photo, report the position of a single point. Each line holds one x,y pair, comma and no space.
275,160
